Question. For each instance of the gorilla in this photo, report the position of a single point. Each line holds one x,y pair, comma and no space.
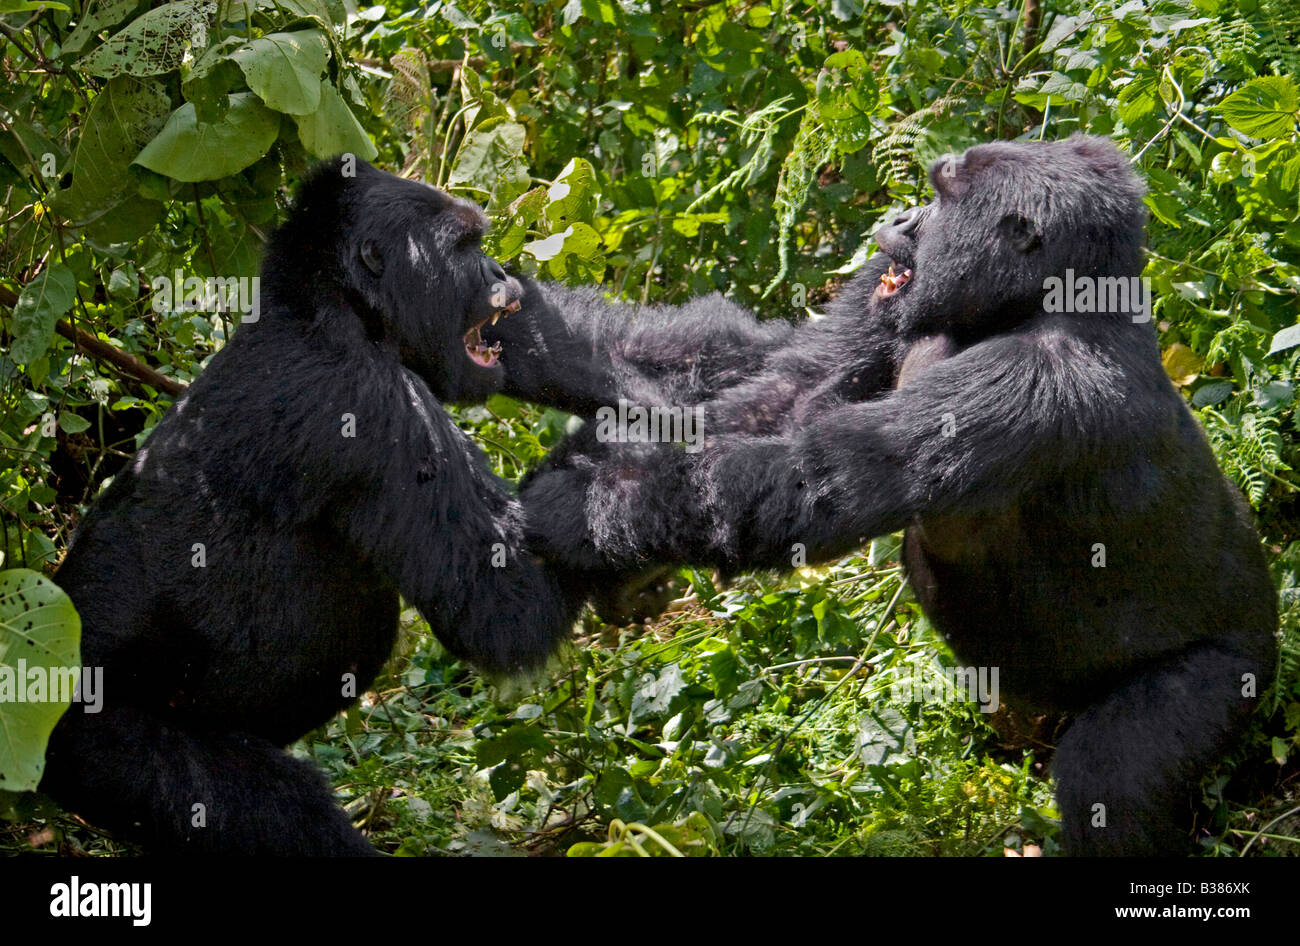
238,582
1064,518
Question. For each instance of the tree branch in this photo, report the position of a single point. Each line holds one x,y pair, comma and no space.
128,364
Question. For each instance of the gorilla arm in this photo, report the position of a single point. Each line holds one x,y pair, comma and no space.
575,350
968,434
428,513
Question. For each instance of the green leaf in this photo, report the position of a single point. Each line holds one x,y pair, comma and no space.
1288,337
72,423
124,282
1280,750
127,222
522,213
504,407
333,129
549,247
457,18
103,16
1263,108
572,198
123,118
153,43
23,6
327,11
42,302
40,627
284,69
190,150
1137,100
487,151
1216,392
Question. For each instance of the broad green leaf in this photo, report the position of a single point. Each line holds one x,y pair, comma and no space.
457,18
549,247
284,69
123,118
327,11
333,129
1288,337
512,227
503,30
127,221
482,105
487,152
124,282
1216,392
573,195
1263,108
190,150
39,627
72,423
214,76
23,6
39,306
153,43
1137,100
236,251
95,18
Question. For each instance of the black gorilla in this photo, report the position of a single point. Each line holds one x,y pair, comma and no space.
1065,520
239,580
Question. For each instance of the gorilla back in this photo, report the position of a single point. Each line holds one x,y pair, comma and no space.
239,580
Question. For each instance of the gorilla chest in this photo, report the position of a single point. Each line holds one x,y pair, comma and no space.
314,632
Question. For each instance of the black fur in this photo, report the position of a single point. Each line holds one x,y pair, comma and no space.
309,535
572,349
1010,442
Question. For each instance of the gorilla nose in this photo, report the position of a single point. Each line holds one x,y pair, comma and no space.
907,220
495,272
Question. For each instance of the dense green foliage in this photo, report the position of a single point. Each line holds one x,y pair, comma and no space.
662,150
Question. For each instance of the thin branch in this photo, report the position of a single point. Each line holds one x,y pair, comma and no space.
103,351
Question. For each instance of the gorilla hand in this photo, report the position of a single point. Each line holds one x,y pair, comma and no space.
611,508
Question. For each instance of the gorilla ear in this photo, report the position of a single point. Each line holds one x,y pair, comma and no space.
1019,231
371,256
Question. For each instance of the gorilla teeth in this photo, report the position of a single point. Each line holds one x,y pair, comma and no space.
504,310
483,355
891,282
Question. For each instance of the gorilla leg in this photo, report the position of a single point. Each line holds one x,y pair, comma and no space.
1141,751
131,772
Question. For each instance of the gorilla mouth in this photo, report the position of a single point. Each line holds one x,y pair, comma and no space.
891,282
479,352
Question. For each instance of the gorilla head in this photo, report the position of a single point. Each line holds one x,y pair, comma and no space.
407,260
1005,217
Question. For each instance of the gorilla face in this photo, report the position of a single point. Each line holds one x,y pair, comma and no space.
408,259
1005,217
